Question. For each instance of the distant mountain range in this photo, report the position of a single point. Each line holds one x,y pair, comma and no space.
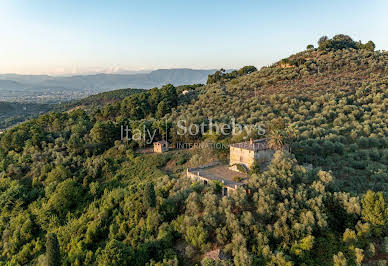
44,88
106,81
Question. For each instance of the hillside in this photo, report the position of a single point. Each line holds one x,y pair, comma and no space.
99,100
313,72
339,105
109,202
13,113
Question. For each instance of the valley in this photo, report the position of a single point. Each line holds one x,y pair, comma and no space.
70,173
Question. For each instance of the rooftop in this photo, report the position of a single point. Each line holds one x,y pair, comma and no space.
216,254
161,142
252,145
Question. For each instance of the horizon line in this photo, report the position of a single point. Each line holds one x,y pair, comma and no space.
121,72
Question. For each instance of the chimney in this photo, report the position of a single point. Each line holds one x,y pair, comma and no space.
251,141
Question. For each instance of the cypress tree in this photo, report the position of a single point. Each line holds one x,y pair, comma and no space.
52,250
149,196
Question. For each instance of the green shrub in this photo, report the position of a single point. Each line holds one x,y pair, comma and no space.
237,178
241,168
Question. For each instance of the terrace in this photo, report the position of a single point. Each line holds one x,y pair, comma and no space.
218,172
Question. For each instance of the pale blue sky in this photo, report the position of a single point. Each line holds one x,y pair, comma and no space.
79,36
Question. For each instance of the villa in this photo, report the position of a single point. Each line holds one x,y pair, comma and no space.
249,152
244,154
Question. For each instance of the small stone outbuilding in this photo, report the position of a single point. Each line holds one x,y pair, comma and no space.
160,146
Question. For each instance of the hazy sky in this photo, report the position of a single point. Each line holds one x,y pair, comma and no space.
79,36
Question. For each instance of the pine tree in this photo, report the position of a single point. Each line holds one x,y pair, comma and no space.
162,109
116,253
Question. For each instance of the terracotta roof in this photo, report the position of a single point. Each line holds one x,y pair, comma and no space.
255,145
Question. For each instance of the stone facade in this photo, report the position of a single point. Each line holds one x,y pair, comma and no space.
246,153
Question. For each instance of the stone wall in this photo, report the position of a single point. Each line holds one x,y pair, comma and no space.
204,166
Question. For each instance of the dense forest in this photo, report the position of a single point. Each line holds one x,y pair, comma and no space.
73,193
98,100
12,113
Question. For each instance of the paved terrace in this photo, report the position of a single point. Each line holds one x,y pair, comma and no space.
219,172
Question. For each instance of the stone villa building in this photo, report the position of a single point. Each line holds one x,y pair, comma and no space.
246,153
